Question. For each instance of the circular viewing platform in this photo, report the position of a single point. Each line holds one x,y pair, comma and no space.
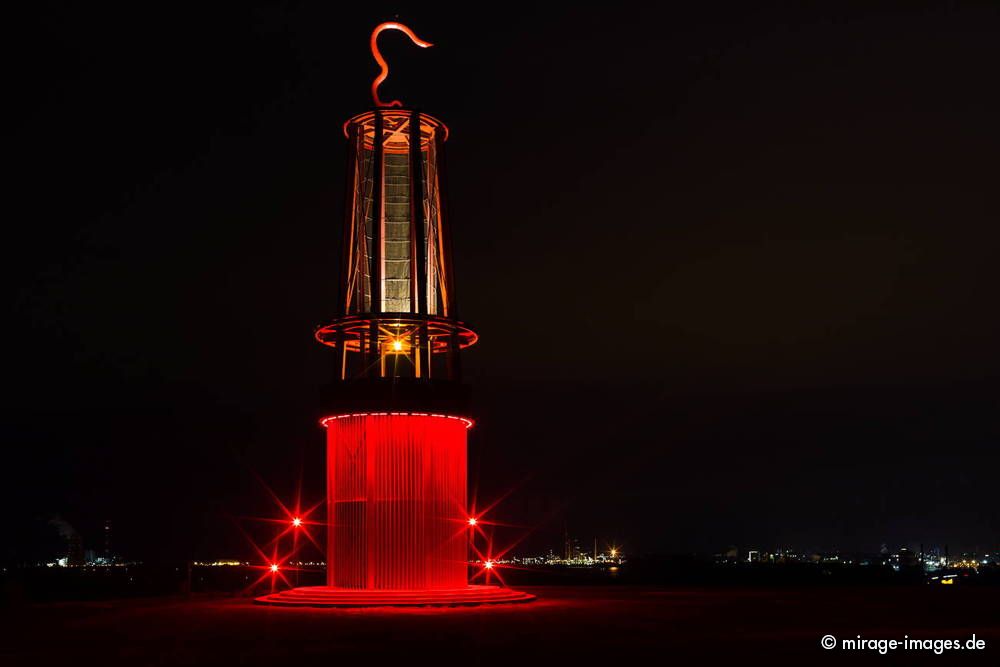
327,596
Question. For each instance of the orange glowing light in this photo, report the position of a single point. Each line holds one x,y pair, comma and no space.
391,25
397,345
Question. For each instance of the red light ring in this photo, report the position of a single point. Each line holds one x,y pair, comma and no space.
465,420
439,330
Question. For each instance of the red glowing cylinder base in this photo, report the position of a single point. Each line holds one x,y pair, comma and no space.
398,526
396,489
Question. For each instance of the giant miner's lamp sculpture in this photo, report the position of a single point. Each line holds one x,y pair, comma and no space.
397,416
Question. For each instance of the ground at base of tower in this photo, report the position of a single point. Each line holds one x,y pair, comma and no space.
596,625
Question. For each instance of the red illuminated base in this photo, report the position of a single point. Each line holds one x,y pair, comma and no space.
327,596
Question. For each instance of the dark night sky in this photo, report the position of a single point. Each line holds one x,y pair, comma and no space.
734,270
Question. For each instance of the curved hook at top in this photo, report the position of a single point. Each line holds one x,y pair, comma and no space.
391,25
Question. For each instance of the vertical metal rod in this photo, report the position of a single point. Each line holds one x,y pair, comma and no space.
350,216
453,368
425,348
417,216
373,351
456,362
342,351
363,349
450,308
375,258
414,342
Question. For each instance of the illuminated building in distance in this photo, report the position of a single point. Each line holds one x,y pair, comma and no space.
396,416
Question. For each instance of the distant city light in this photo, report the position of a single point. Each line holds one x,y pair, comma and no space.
274,567
296,522
218,563
473,521
614,552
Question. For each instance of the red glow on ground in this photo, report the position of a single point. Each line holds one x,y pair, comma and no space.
326,596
